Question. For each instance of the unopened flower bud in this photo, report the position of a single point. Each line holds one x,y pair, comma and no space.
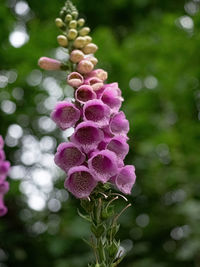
75,14
75,79
73,24
99,73
59,22
85,66
62,40
81,22
88,39
90,48
72,34
92,59
84,31
49,63
62,13
68,17
94,82
79,42
76,56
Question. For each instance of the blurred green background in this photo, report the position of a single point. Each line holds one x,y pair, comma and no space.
151,48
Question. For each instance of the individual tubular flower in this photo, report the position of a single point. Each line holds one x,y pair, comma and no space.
119,124
68,155
47,63
103,165
119,146
84,93
125,179
80,182
4,169
75,79
2,155
4,185
111,96
87,135
96,111
65,115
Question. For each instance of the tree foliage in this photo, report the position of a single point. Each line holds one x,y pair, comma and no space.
151,48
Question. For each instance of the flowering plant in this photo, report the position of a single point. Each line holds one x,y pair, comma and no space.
4,185
94,158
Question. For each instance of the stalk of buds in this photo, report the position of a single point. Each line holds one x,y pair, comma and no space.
4,185
94,158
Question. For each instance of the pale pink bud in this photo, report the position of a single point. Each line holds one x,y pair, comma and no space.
76,56
47,63
85,66
75,79
90,48
92,59
99,73
95,83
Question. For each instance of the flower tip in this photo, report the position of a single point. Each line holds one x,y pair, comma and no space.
47,63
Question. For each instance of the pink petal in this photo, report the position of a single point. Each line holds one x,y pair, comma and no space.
80,182
87,135
96,111
65,115
103,165
85,93
119,146
68,155
119,124
126,179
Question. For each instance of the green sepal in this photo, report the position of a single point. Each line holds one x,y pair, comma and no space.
113,249
113,230
85,217
106,213
87,205
98,230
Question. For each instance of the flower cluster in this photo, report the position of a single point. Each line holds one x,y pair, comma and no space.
98,146
4,185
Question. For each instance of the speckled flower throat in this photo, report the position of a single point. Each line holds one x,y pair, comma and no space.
93,159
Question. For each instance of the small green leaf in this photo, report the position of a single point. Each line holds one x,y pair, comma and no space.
85,217
113,249
98,230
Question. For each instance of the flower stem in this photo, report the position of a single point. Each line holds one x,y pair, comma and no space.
104,227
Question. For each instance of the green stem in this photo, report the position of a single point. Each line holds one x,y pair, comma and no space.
103,218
